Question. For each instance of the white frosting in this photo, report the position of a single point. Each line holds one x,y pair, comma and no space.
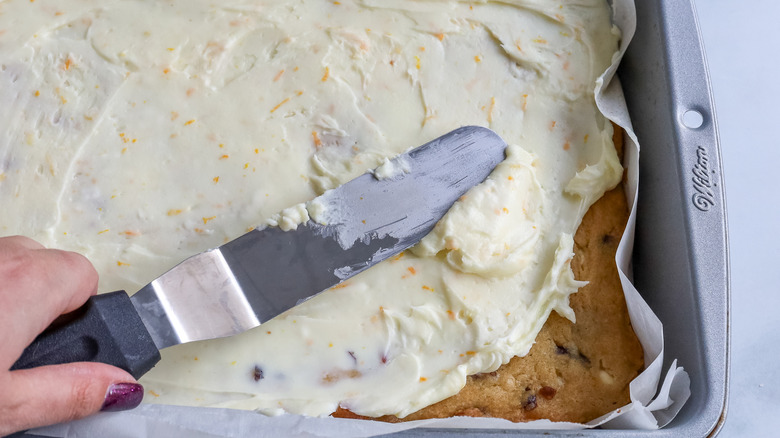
139,133
390,169
289,218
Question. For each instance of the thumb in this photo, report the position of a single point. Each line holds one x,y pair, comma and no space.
57,393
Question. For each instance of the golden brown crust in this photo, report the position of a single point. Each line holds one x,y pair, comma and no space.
574,372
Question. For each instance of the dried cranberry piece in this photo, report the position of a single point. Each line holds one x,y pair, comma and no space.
548,392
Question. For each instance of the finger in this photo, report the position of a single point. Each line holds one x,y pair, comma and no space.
58,393
19,242
39,285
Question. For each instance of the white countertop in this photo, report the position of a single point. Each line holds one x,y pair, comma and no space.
742,46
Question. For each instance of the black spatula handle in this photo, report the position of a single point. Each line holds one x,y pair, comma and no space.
106,329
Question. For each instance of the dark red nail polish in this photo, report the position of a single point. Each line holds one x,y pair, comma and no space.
123,396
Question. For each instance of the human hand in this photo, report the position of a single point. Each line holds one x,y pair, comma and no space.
36,286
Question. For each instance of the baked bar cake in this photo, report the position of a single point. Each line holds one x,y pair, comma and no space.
140,132
574,372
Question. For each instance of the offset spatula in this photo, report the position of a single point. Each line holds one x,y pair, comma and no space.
247,281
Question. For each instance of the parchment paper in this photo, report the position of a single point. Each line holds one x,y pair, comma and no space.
650,407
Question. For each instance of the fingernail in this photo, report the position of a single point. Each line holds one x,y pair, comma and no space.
123,396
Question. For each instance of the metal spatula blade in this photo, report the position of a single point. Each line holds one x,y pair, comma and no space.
236,287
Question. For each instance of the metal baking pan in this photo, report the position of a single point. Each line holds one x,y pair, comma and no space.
680,259
681,211
681,255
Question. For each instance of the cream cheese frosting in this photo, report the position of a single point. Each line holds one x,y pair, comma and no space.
141,132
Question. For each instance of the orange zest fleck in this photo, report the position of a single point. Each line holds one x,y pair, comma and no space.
171,49
207,219
566,146
417,62
279,75
451,315
412,270
525,101
246,165
216,179
477,58
490,111
398,257
326,75
154,393
190,92
103,231
224,157
540,40
118,263
37,93
440,36
189,122
422,379
174,212
130,233
552,125
505,210
280,104
428,288
471,353
68,63
316,137
166,70
510,178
